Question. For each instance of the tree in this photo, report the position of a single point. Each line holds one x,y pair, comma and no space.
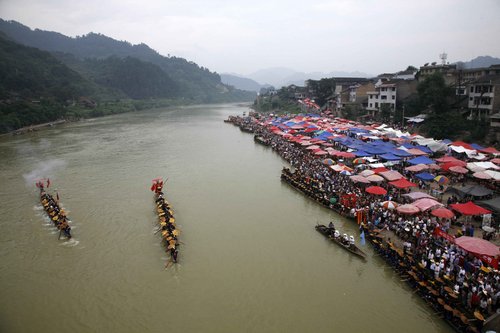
322,89
385,112
434,94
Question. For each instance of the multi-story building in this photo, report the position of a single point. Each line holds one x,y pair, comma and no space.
472,74
346,92
384,93
449,72
484,96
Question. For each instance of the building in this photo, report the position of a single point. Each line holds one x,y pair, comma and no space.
384,94
348,91
484,96
449,72
473,74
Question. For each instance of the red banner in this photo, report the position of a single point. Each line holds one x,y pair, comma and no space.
440,233
490,261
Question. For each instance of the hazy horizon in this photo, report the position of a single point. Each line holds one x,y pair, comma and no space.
241,37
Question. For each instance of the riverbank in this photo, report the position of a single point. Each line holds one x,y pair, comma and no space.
35,112
464,290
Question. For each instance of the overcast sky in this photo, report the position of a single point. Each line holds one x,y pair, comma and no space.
243,36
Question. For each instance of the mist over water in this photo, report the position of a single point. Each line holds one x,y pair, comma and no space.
44,170
250,261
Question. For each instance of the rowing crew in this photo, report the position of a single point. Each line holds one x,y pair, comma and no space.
56,213
168,228
344,239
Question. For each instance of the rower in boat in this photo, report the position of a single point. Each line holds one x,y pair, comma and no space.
351,241
168,229
345,239
336,234
52,208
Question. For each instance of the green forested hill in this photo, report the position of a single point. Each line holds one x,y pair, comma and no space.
29,73
93,75
132,77
34,86
192,81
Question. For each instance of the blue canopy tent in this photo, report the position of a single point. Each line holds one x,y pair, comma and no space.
401,153
425,176
421,160
476,146
389,157
374,150
361,153
425,149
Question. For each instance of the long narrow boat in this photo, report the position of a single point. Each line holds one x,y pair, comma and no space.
169,231
51,206
351,248
261,140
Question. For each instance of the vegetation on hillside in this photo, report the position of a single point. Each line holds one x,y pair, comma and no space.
192,82
104,78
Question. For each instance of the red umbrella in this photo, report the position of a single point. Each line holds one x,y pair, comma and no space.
407,209
443,213
377,190
477,246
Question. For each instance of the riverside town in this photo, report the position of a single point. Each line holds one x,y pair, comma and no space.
429,207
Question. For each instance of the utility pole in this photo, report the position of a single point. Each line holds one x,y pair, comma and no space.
403,118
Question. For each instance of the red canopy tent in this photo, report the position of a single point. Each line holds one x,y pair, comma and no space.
469,208
478,245
379,170
490,150
462,144
446,159
403,183
446,166
486,251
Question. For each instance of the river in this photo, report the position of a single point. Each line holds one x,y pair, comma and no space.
251,260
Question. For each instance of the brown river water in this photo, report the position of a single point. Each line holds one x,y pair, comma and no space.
251,260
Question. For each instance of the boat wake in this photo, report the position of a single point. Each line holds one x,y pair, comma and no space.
70,242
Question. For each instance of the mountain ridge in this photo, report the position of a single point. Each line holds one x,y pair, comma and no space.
193,82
